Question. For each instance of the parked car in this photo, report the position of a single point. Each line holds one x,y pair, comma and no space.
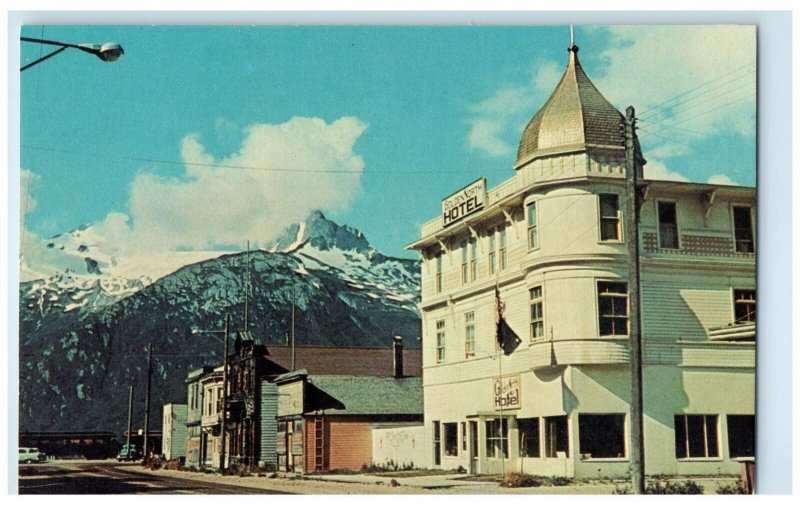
30,455
127,453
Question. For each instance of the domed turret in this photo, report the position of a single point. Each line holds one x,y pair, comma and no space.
575,118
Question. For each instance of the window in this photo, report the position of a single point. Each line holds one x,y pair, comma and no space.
537,313
473,260
528,437
503,251
556,442
667,225
609,218
696,436
464,255
440,341
469,261
492,253
496,438
450,439
741,436
743,229
602,435
437,444
744,306
612,307
533,228
469,334
438,272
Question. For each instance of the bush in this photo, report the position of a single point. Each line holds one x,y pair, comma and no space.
560,481
173,464
663,486
732,488
521,480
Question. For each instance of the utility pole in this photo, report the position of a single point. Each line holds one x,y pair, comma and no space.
224,393
294,281
130,411
146,455
634,303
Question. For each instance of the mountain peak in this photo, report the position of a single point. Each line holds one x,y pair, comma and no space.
323,234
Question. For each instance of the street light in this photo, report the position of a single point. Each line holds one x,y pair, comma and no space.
196,331
108,52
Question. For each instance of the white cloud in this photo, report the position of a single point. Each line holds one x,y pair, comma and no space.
714,65
284,171
722,180
503,115
646,66
281,173
485,134
655,169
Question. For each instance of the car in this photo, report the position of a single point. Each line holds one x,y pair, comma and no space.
30,455
129,454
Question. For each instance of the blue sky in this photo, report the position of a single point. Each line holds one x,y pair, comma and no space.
206,137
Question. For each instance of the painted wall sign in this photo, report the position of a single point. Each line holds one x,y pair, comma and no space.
464,202
507,392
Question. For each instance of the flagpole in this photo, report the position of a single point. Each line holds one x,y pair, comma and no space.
499,339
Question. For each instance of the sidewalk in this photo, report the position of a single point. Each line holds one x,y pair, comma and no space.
368,484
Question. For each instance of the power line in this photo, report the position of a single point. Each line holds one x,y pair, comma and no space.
672,125
656,107
246,167
695,105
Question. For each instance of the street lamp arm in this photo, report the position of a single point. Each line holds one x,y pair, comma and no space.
108,52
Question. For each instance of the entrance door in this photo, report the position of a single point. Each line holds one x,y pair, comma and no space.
473,447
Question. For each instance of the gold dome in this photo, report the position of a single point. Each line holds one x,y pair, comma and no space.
576,117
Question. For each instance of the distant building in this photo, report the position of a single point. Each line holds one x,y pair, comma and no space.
252,437
211,419
544,254
175,434
194,413
324,421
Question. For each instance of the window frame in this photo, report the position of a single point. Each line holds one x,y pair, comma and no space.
674,204
450,450
551,425
737,302
469,336
492,247
464,262
735,438
681,422
582,434
751,224
438,279
535,424
441,340
601,218
497,439
612,295
533,228
540,321
502,248
473,259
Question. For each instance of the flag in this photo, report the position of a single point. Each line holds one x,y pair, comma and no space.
507,340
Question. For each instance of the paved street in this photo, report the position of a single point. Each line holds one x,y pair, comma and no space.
112,478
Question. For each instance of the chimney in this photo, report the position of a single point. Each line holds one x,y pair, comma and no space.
397,346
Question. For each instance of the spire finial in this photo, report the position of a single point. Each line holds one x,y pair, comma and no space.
572,47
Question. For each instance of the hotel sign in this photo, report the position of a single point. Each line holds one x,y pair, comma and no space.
464,202
507,392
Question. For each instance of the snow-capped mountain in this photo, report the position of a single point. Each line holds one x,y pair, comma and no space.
83,335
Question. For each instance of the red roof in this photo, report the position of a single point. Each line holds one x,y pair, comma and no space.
364,361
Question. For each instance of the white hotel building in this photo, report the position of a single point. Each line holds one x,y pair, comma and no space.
552,239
